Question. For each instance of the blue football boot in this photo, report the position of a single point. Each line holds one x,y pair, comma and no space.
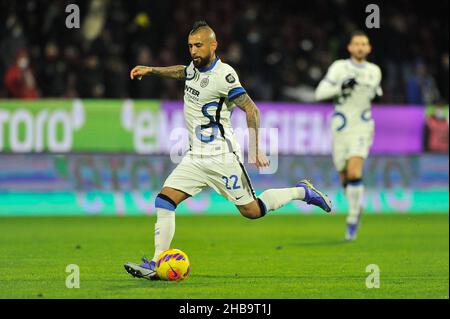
145,270
314,197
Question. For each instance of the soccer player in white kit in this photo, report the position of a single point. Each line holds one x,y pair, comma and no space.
352,83
212,89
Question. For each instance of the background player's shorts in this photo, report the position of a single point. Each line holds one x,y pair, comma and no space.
349,145
224,173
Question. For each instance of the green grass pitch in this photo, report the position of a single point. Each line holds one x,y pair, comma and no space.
282,256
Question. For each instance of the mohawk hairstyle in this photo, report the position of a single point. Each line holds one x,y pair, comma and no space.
197,25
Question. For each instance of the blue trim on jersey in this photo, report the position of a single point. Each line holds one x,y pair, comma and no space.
364,117
210,67
344,120
164,204
234,93
361,66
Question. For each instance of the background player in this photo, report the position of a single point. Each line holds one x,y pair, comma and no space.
352,83
212,89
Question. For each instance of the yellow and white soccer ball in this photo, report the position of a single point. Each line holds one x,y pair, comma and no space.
172,265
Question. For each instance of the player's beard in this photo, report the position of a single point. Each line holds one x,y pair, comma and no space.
360,56
202,62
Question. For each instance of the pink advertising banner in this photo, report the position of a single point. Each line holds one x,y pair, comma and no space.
306,129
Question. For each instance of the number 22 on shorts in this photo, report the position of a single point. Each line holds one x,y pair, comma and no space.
233,179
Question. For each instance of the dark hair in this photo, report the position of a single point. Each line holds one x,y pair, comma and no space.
357,33
197,25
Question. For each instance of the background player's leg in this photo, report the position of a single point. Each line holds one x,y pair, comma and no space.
166,202
355,188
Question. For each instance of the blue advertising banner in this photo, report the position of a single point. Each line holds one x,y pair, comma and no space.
103,184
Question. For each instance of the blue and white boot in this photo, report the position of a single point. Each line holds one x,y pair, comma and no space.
350,234
352,229
314,196
146,270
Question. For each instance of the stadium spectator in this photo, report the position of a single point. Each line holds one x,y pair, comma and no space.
150,87
281,50
421,86
19,78
436,130
53,71
90,77
444,76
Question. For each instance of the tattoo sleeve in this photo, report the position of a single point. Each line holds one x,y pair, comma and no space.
174,72
245,103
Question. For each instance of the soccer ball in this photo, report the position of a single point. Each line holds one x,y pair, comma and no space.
172,265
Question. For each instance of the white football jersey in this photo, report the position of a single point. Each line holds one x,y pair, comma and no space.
352,112
208,96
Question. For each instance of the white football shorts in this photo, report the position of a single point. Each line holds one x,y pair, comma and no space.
349,145
224,173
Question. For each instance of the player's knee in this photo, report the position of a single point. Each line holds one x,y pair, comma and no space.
250,213
253,210
353,175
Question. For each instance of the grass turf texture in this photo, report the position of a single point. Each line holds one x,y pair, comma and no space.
231,257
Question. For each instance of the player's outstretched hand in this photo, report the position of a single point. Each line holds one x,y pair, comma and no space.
139,71
260,161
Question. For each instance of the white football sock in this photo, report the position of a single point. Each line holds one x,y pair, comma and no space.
164,230
276,198
354,195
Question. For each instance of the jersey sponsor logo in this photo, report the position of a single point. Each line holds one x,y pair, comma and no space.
204,83
191,90
230,78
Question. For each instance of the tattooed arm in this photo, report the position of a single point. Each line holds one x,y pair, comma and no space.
245,103
174,72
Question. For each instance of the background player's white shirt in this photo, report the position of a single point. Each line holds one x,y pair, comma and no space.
352,113
208,96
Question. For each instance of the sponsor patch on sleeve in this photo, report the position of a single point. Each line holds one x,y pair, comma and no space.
230,78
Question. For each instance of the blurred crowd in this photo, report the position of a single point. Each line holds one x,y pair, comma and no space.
281,50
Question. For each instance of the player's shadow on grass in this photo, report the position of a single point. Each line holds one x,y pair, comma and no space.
248,277
315,243
145,284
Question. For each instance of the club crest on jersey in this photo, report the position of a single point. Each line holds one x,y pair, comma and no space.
204,82
230,78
